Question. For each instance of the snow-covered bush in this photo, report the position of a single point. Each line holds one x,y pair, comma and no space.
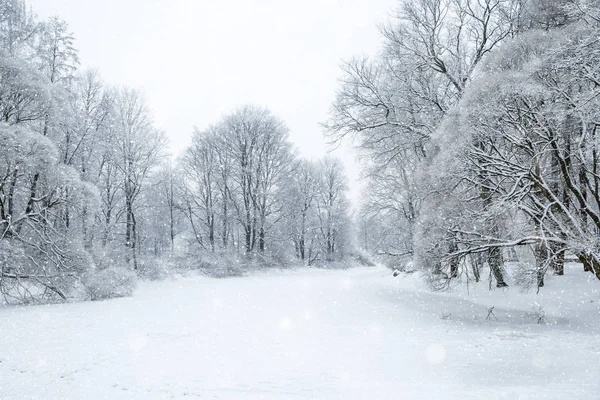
110,282
155,269
46,272
525,275
333,264
12,289
221,265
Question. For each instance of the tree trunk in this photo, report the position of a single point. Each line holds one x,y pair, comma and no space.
32,193
496,262
541,262
302,248
495,258
67,213
87,240
135,241
11,193
211,232
261,240
558,258
297,246
590,263
171,214
36,177
128,231
106,226
453,248
248,232
476,266
225,218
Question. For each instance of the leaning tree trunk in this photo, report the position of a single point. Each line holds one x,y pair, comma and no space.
590,262
495,258
558,257
496,262
494,254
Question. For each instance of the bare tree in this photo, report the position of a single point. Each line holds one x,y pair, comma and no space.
200,163
139,147
332,205
261,154
301,198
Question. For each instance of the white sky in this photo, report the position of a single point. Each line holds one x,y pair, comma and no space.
197,60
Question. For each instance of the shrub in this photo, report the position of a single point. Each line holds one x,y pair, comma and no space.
109,283
155,269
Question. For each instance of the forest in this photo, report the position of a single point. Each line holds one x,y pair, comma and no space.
476,125
90,198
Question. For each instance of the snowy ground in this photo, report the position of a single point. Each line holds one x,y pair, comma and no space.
307,334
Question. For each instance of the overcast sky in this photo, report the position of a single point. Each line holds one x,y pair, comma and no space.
198,59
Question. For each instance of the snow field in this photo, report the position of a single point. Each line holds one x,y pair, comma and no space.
307,334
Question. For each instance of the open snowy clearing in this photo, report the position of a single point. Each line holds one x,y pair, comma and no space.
307,334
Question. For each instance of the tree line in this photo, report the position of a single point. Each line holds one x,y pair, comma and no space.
90,197
478,125
244,187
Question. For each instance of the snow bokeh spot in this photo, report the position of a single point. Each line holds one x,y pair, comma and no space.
41,363
217,303
308,314
347,283
285,324
45,317
137,342
436,354
542,361
375,330
344,377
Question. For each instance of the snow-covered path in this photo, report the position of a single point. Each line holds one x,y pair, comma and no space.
307,334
